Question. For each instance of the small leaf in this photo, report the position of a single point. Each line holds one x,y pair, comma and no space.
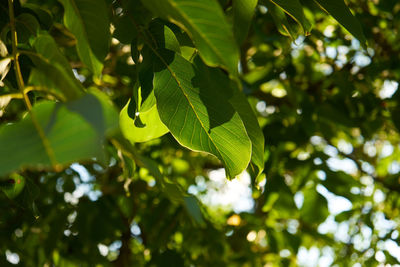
27,26
315,207
13,186
88,21
152,125
198,116
193,208
205,22
242,106
294,9
53,70
281,21
44,16
343,15
163,36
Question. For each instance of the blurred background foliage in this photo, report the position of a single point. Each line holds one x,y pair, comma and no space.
329,195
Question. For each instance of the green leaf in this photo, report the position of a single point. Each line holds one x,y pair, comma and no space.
242,106
163,36
243,11
281,21
294,9
44,16
53,70
193,208
125,30
343,15
72,132
88,21
27,26
13,186
198,116
151,127
205,22
172,190
218,81
315,207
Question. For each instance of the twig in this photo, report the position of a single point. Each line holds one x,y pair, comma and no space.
21,87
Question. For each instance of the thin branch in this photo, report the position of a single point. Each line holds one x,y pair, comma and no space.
21,87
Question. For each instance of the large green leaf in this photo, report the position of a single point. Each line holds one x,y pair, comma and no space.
294,9
205,22
163,37
88,21
72,131
198,116
243,11
150,126
218,81
53,70
339,10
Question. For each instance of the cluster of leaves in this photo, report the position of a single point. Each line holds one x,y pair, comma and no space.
170,69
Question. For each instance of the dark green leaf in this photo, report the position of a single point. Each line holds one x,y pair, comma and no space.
294,9
315,207
193,208
243,12
88,21
53,70
339,10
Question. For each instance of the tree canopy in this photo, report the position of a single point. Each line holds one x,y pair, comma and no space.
199,133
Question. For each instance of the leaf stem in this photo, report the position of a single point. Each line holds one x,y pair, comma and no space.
21,87
17,68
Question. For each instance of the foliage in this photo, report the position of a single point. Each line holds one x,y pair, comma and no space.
116,116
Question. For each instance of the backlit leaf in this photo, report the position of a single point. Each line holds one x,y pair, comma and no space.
218,81
74,131
13,186
198,116
205,22
151,126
